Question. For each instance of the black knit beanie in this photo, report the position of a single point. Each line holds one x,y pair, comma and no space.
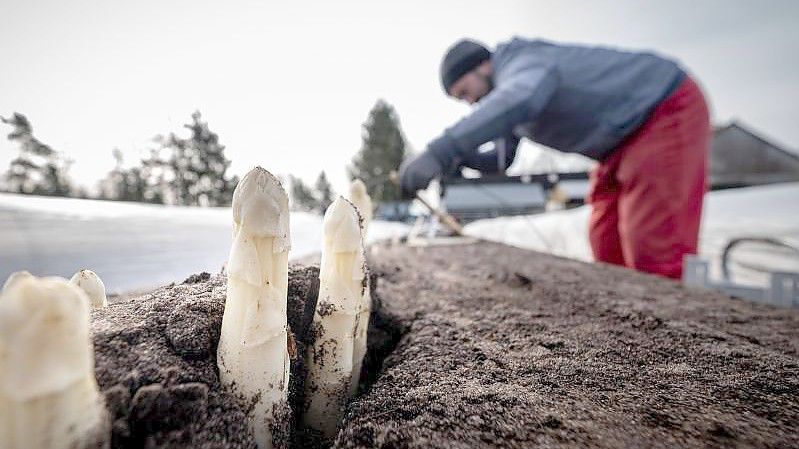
461,58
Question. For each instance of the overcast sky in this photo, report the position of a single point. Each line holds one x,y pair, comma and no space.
287,85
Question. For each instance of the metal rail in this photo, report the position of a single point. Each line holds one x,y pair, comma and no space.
783,288
725,255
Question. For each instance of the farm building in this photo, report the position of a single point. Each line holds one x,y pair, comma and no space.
739,157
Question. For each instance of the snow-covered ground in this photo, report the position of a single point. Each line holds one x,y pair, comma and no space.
765,211
136,246
132,245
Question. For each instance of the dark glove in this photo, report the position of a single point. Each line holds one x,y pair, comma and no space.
435,161
417,173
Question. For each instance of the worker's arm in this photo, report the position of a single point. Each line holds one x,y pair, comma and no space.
488,161
522,90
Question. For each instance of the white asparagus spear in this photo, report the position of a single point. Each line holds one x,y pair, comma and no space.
15,277
340,320
49,397
92,285
361,199
253,356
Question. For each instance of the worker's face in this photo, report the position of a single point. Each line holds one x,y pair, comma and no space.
474,85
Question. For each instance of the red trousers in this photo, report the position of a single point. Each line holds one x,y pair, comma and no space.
646,197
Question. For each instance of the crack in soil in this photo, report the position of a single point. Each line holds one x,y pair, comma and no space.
384,332
155,363
464,352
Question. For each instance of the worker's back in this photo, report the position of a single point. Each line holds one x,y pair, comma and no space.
602,95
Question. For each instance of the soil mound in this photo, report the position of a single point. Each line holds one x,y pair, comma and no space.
510,348
477,345
156,364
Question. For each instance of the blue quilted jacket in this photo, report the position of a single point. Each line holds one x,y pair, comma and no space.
571,98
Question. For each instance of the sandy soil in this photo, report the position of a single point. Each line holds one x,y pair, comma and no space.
478,346
508,348
156,364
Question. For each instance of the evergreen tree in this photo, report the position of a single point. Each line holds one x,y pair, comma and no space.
124,184
115,184
38,169
154,178
195,167
21,175
324,193
382,152
302,196
231,186
136,185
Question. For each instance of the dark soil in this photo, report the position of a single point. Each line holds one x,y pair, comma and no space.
155,361
510,348
478,346
156,364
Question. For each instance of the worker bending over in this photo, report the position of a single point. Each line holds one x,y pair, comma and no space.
640,115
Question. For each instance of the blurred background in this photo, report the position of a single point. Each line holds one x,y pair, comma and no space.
126,126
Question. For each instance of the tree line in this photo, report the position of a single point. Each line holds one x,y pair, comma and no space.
193,170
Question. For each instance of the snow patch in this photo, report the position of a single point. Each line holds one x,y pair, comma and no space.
763,211
133,245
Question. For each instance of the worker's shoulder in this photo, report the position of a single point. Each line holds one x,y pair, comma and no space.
521,43
519,53
539,50
542,47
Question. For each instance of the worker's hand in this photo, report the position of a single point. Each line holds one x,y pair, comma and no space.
435,161
416,174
